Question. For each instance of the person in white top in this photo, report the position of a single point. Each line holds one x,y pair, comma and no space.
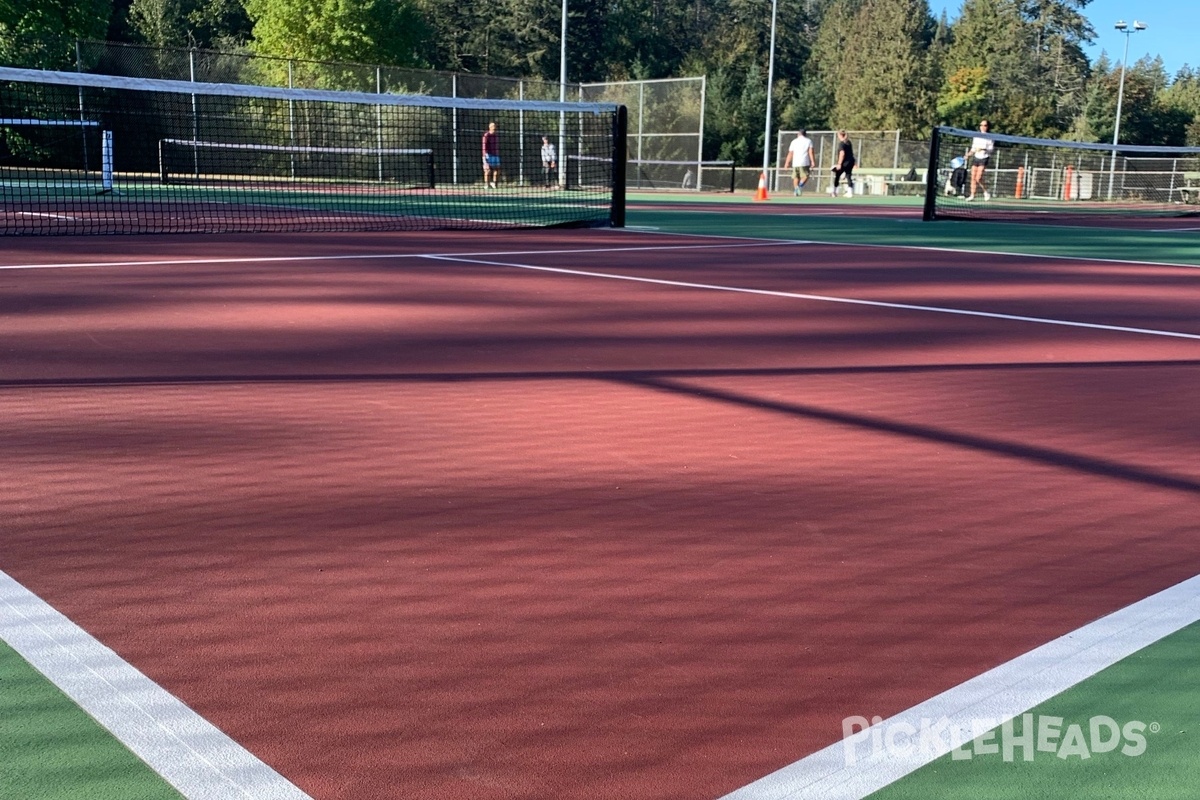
978,155
549,162
800,158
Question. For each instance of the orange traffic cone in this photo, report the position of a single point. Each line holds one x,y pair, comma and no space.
761,194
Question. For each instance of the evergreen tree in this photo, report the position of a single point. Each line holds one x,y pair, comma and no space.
1146,117
1183,95
892,88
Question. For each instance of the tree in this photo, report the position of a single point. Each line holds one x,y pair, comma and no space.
386,32
1057,32
988,44
1183,95
1146,118
1031,52
515,38
963,100
892,88
42,33
189,23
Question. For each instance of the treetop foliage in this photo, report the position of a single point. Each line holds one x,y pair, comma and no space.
855,64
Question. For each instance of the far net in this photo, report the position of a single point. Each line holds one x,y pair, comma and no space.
1043,179
86,153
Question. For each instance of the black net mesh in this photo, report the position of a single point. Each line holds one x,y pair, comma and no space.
1024,178
95,154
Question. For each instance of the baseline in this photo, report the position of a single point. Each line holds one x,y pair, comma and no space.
174,262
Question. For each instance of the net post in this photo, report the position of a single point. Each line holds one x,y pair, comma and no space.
106,162
162,164
931,177
619,154
732,177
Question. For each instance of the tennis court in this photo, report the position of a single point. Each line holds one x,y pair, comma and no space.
641,513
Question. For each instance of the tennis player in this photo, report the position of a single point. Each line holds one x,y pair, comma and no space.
491,156
549,162
980,152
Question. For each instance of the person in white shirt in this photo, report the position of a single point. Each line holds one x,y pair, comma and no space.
978,155
800,158
549,162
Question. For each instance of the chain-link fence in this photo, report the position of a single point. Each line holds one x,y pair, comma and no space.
666,117
879,152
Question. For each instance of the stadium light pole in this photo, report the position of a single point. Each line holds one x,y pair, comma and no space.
562,98
1128,31
770,85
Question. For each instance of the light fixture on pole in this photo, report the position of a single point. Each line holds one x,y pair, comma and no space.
770,86
1128,30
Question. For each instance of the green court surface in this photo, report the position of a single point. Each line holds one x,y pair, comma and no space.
1155,687
1109,243
51,750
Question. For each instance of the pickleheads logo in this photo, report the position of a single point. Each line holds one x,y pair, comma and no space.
1027,735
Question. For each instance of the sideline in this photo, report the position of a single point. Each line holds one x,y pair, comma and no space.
964,312
191,754
1000,694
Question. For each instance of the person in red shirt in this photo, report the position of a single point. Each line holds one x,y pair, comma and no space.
491,157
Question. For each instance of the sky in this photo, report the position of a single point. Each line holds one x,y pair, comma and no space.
1173,29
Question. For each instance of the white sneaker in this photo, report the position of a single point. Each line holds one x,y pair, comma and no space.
849,193
970,198
986,196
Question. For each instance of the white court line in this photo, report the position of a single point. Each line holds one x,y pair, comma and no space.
743,241
968,252
1001,694
43,214
169,262
186,750
825,298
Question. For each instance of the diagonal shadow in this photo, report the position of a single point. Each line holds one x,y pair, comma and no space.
1044,455
670,381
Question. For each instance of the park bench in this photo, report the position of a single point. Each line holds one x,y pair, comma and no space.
888,181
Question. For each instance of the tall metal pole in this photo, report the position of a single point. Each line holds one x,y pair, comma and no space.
1112,164
770,85
562,98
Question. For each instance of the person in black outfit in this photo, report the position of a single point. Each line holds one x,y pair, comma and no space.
844,166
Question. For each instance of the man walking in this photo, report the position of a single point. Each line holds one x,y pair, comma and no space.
800,157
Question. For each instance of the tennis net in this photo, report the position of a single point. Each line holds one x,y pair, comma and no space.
100,154
1043,179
